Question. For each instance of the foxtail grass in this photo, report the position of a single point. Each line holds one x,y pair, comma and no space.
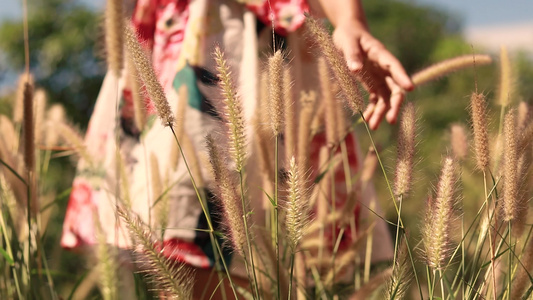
139,109
71,136
275,85
297,207
170,277
459,141
343,76
229,198
401,277
478,107
114,24
523,277
107,264
147,74
505,89
54,115
510,176
406,151
233,112
29,129
329,102
18,106
439,216
289,108
308,104
39,115
447,66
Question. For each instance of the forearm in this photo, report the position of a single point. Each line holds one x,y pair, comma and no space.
340,11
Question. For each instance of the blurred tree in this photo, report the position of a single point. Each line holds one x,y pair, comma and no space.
62,36
62,39
411,32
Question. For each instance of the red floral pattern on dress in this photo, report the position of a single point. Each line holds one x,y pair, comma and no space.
286,15
184,251
78,227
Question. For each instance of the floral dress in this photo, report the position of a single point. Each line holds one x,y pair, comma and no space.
180,35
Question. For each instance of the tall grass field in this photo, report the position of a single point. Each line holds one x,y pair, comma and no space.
469,237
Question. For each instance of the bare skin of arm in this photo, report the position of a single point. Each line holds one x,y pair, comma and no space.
380,72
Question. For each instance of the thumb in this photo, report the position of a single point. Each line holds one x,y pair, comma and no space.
349,45
353,55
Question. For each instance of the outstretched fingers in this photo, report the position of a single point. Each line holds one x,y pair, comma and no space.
377,53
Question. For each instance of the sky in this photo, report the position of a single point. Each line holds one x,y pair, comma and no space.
487,22
492,23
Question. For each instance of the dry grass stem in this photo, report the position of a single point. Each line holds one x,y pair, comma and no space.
161,207
478,108
39,112
300,275
345,79
146,71
74,139
107,264
373,284
8,140
139,109
346,259
524,115
324,187
308,107
228,196
522,279
289,107
505,91
233,111
341,116
447,66
459,141
54,115
329,102
114,24
263,116
191,155
263,139
406,151
183,97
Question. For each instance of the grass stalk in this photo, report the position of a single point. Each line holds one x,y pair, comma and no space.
491,246
276,225
291,275
28,220
394,202
204,210
389,187
510,263
333,209
249,244
441,279
368,251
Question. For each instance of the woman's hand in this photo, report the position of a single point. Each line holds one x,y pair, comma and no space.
380,72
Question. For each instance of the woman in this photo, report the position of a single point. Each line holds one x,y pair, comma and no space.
180,35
